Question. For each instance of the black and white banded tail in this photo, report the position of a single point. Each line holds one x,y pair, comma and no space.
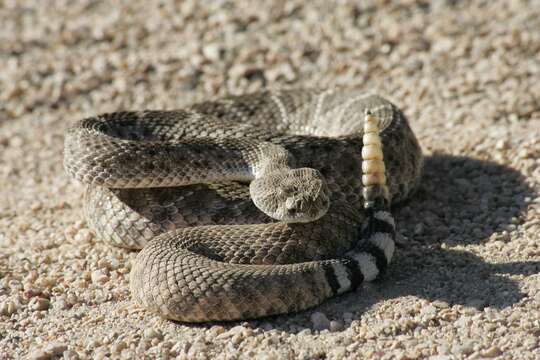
375,249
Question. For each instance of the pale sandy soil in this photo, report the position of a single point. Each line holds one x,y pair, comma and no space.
465,283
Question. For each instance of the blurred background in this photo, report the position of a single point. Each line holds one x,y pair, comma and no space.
95,56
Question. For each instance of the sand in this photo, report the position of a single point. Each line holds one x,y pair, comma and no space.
465,283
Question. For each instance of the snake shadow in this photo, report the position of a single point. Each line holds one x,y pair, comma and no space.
461,201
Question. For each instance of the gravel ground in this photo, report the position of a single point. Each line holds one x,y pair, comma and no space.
465,283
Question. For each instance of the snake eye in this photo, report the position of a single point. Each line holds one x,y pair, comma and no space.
286,190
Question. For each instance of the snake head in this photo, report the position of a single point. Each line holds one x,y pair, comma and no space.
297,195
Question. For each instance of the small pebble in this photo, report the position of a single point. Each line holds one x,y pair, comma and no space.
466,347
71,355
523,154
83,236
429,310
99,277
39,304
212,51
501,144
336,325
492,352
49,351
152,333
8,308
320,321
216,330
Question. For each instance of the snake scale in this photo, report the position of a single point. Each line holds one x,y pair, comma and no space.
248,206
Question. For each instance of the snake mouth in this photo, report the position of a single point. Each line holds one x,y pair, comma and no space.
297,208
300,209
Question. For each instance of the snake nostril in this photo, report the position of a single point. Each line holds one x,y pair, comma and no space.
294,205
290,203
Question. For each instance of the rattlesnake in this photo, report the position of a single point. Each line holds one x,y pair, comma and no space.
248,206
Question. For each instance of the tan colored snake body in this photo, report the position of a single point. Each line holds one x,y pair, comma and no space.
248,206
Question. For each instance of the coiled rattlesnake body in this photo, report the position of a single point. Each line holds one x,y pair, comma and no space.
251,205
